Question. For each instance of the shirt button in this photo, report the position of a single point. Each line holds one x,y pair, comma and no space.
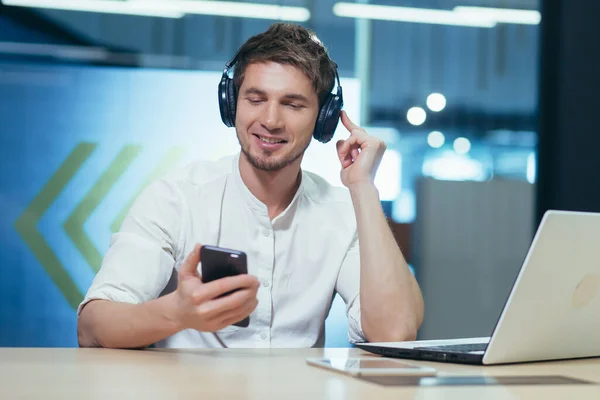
263,336
266,283
267,233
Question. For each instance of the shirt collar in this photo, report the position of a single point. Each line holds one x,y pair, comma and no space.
253,201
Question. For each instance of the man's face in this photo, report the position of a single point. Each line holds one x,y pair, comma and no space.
276,112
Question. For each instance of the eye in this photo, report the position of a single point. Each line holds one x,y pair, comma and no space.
294,106
254,101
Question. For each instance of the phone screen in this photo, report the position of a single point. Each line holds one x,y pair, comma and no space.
372,366
361,363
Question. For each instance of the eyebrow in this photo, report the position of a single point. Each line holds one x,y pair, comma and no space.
289,96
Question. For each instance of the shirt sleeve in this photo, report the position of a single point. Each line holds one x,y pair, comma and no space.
142,255
348,286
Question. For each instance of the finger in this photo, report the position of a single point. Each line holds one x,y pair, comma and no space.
212,309
347,122
244,312
348,143
216,288
344,155
237,315
355,130
340,146
190,265
350,150
361,135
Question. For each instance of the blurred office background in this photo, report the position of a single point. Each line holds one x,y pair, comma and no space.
100,97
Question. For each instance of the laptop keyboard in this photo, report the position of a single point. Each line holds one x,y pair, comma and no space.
457,348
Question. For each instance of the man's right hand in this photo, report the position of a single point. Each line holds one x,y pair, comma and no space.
198,305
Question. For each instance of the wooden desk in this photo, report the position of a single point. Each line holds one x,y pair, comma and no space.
86,374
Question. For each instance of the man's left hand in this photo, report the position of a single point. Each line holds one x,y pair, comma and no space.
360,154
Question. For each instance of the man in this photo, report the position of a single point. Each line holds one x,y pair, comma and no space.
305,239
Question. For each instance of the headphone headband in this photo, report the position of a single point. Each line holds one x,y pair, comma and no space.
232,62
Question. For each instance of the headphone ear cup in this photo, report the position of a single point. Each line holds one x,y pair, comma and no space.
328,118
318,132
227,99
231,100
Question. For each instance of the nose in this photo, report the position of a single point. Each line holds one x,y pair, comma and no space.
271,118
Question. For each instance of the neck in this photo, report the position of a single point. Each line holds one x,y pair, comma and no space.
275,189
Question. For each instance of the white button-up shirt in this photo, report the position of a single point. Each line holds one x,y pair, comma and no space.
302,257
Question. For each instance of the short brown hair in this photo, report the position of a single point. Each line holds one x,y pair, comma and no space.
290,44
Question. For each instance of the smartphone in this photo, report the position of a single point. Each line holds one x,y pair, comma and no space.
218,262
373,366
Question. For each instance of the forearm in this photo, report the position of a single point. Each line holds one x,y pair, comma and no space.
391,301
111,324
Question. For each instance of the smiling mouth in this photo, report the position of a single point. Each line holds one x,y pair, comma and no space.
270,140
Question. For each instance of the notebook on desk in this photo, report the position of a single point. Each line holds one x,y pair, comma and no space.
552,312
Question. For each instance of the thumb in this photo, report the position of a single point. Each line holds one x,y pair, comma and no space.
190,265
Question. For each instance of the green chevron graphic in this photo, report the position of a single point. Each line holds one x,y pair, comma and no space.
74,224
169,161
26,224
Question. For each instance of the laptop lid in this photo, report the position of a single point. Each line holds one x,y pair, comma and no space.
553,310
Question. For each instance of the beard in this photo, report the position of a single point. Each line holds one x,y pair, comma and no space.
266,161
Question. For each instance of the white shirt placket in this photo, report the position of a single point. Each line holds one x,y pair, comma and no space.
266,239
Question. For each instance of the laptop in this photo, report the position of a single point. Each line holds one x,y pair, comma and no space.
552,311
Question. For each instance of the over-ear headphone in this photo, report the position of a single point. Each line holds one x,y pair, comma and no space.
327,120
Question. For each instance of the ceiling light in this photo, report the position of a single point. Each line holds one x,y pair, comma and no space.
230,9
436,139
436,102
416,116
504,15
410,14
99,6
173,8
462,145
